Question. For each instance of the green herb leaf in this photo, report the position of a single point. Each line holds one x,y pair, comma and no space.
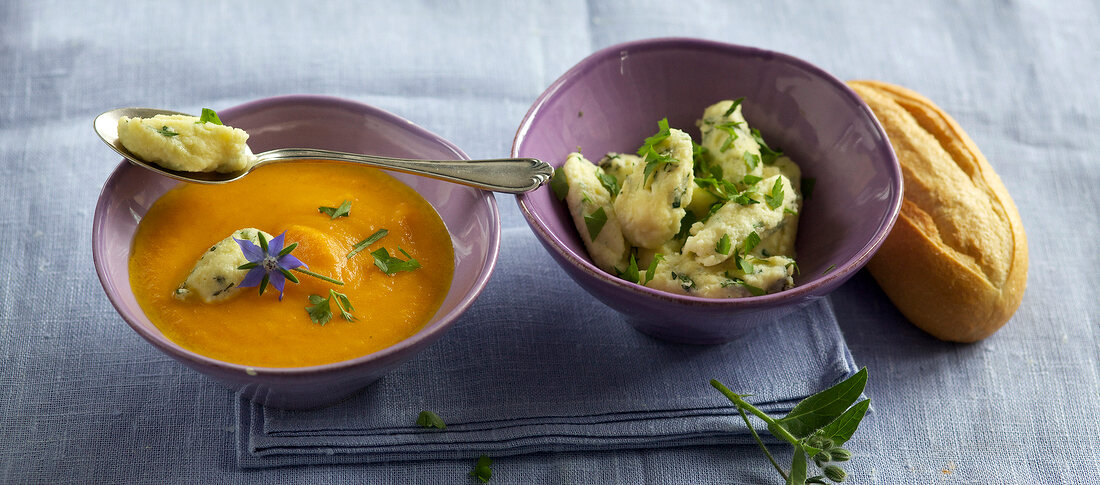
482,470
373,238
750,242
822,408
166,131
631,273
753,290
793,270
751,160
808,184
767,154
829,269
685,281
775,197
594,222
648,151
559,184
685,225
333,212
319,310
840,430
723,245
392,265
428,419
731,134
743,262
798,469
733,107
714,208
652,141
745,198
751,180
608,182
209,116
652,271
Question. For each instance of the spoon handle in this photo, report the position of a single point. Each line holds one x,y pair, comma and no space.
509,175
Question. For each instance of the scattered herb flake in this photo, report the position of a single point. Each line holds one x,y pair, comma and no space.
209,116
750,241
652,271
731,132
608,182
166,131
594,222
559,184
733,107
428,419
631,273
753,290
775,197
743,262
751,180
751,160
333,212
829,269
723,245
320,311
767,154
373,238
391,265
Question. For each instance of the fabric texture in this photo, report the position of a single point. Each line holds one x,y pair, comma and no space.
538,365
83,399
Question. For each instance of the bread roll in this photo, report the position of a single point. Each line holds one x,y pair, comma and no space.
956,261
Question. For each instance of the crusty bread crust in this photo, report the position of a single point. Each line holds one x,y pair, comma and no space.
955,263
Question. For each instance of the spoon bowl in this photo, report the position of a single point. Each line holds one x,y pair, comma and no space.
507,175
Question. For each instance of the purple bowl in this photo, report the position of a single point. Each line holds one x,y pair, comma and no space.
471,217
612,100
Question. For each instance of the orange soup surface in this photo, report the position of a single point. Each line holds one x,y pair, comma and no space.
259,330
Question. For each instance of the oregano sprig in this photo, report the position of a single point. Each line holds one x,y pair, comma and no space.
817,428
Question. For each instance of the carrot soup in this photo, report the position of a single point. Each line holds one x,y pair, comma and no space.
394,284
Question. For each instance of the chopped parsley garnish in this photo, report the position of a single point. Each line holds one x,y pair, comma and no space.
808,184
829,269
373,238
767,154
482,470
714,208
743,262
751,161
209,116
792,267
733,107
559,184
750,242
751,180
652,270
594,222
775,197
730,128
608,182
716,187
333,212
745,198
428,419
631,272
685,281
391,265
754,290
648,151
166,131
723,245
685,225
321,312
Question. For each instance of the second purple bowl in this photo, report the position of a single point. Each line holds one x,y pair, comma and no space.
613,99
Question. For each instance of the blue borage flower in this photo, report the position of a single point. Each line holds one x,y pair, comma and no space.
272,263
268,262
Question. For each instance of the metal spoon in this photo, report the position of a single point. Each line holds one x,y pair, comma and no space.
509,175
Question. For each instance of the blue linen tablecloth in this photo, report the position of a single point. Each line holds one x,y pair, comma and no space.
85,400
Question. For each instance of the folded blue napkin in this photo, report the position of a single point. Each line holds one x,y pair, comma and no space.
538,365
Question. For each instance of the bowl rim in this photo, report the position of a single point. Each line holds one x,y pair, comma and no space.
806,290
429,333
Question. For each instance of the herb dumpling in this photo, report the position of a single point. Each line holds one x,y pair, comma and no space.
728,140
215,276
590,205
186,143
651,205
734,226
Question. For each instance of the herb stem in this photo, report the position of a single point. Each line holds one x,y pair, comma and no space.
319,276
760,442
773,425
